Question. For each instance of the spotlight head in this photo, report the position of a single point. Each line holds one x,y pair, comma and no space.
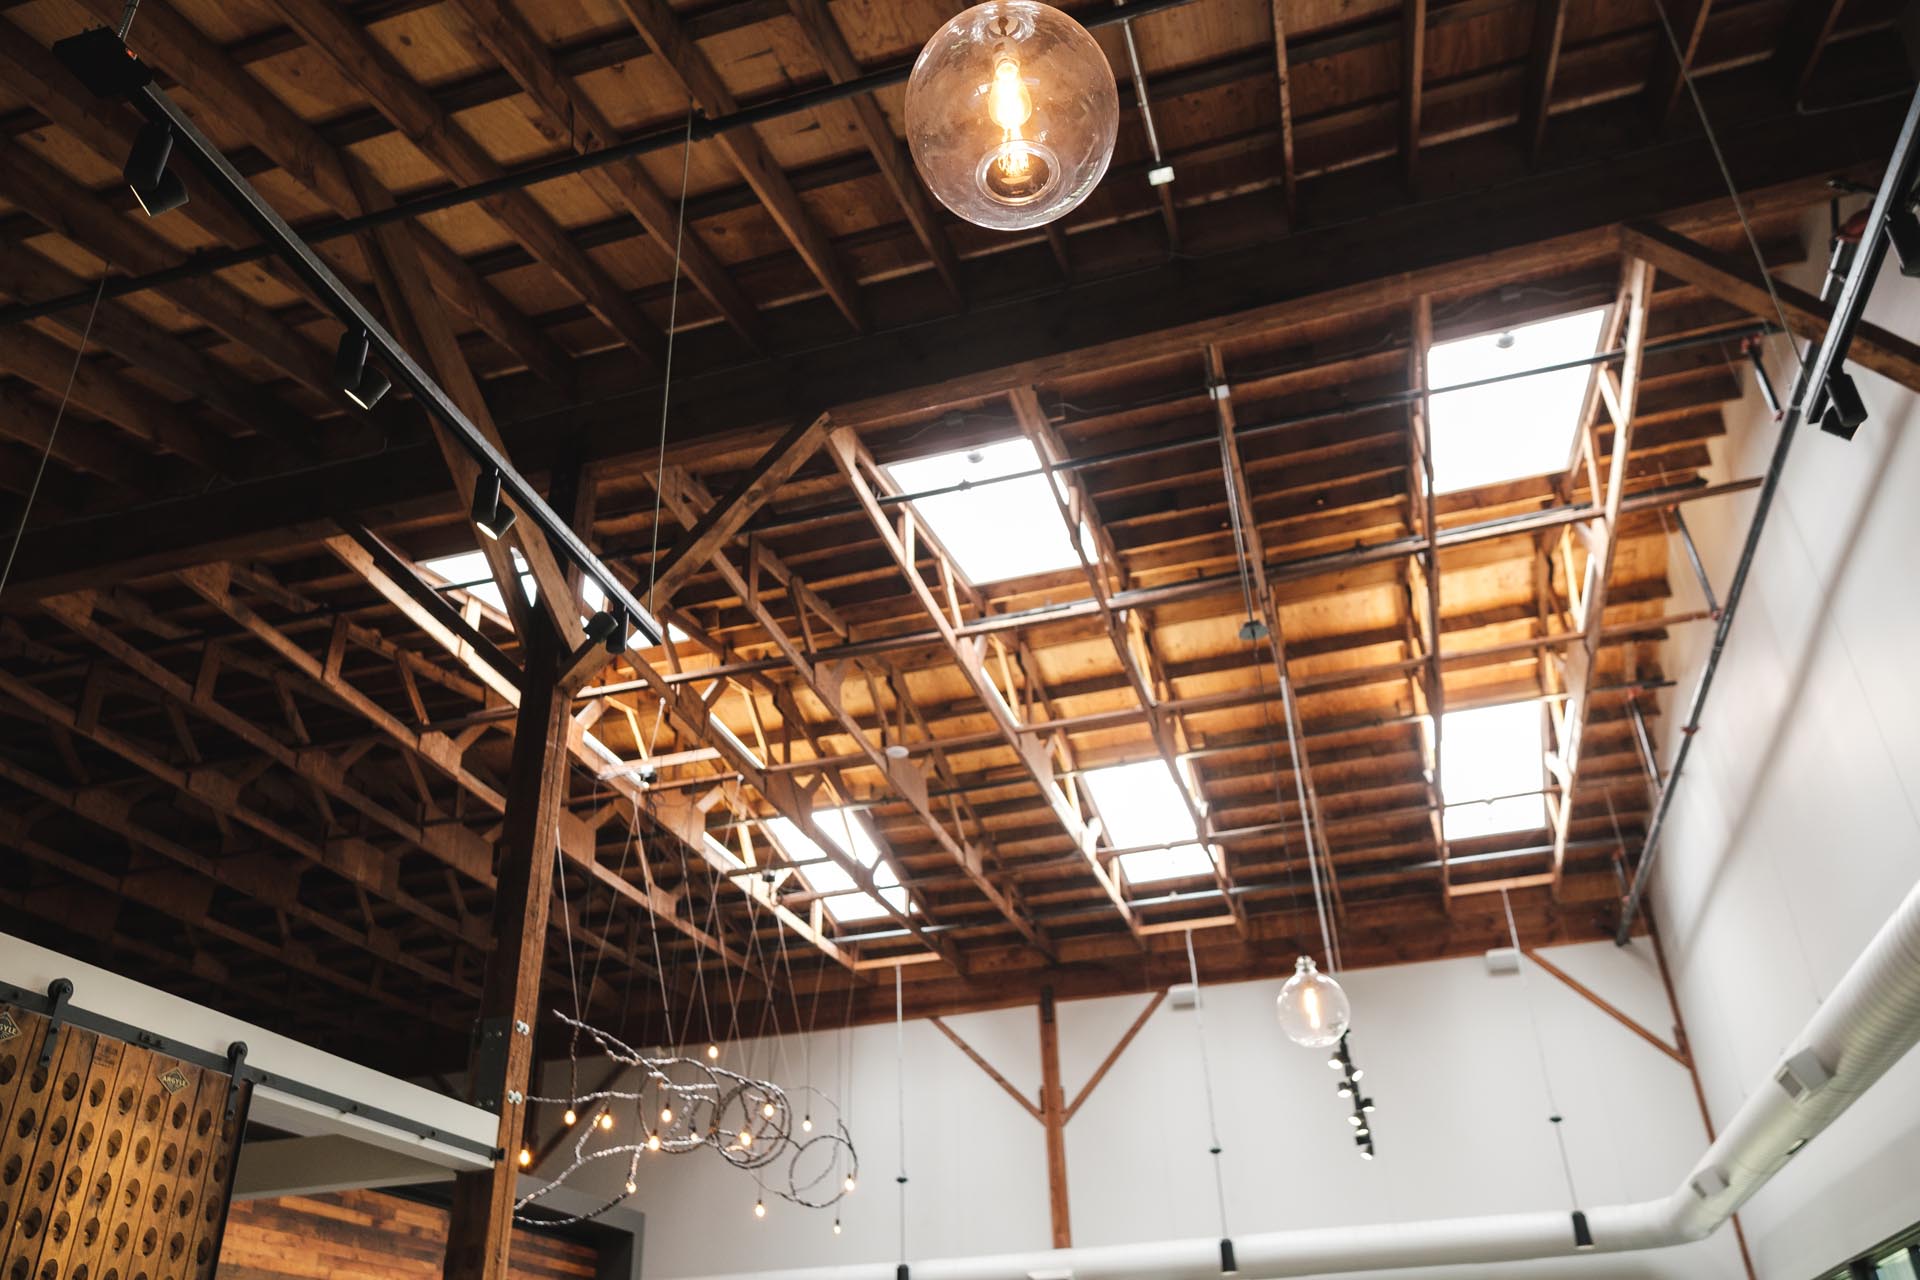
1346,1088
158,189
1366,1150
359,381
897,751
1334,1062
1846,411
491,514
1253,630
602,627
1903,229
1355,1121
1366,1104
1582,1235
1357,1073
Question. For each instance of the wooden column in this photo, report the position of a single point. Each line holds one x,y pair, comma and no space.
482,1221
1053,1114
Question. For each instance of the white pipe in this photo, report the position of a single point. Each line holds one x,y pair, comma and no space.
1867,1023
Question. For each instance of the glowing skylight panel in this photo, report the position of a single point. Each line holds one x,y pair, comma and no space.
1508,430
1011,529
1143,804
1490,759
468,571
849,835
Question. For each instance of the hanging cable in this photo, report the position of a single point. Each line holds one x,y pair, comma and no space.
53,432
666,379
1206,1081
1540,1052
900,1078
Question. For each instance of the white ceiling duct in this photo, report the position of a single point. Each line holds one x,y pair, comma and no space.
1868,1022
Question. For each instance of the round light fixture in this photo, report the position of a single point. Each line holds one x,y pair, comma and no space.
1313,1009
1011,114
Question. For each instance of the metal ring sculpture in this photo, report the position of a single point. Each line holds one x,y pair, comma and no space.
682,1105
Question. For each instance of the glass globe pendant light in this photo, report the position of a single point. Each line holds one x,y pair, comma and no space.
1313,1010
1011,114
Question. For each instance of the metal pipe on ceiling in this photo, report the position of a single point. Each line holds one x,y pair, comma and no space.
1809,388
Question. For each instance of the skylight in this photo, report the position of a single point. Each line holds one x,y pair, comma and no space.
1490,757
1508,430
468,570
1142,804
1007,530
849,834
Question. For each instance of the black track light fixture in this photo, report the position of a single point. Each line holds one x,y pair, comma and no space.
491,514
608,629
1846,411
157,188
1229,1265
363,383
1582,1235
1903,229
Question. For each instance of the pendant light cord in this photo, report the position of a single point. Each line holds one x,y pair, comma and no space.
900,1086
1206,1081
1540,1052
666,379
53,432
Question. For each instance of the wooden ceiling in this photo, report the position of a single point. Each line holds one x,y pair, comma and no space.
249,757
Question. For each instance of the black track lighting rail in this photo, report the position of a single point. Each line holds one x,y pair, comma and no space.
662,139
110,69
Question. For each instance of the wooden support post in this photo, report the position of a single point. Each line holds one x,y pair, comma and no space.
1053,1114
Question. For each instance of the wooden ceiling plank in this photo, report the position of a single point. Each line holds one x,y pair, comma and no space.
829,44
354,53
83,446
1413,74
657,23
1289,180
1734,280
1543,68
506,34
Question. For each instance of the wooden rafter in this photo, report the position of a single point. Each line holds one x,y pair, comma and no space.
1543,69
1289,180
1413,74
1668,75
356,55
667,36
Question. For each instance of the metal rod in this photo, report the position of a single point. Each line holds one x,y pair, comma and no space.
1643,740
1140,89
665,138
1902,166
318,276
1699,565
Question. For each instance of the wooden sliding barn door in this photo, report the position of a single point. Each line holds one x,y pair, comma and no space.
116,1162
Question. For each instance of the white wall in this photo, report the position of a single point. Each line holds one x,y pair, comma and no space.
1794,830
1461,1127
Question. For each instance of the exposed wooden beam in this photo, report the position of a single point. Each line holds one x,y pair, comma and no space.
718,524
1289,181
1543,68
1602,539
480,1228
1735,280
1667,77
1053,1116
498,25
663,31
73,211
1413,74
1803,38
992,1072
1106,1064
889,153
1604,1005
351,51
85,446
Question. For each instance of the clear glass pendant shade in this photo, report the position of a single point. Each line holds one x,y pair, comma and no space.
1011,114
1313,1010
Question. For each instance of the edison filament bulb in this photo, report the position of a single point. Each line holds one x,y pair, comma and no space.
713,1053
1313,1010
653,1142
1011,114
606,1119
759,1208
666,1115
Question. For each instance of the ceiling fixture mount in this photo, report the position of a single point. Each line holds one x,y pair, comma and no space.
1012,114
1313,1010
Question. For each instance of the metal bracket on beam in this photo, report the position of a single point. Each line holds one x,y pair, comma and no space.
236,1062
490,1061
57,992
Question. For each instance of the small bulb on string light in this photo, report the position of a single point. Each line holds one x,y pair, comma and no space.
606,1119
571,1117
632,1186
806,1124
666,1115
653,1142
759,1208
746,1137
836,1226
713,1053
766,1109
848,1184
526,1157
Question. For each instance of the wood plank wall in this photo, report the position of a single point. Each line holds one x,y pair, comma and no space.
365,1235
